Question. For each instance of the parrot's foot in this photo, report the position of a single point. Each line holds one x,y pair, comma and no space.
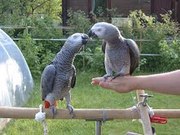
53,111
117,75
106,76
71,110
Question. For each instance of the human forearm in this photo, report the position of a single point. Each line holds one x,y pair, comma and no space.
168,83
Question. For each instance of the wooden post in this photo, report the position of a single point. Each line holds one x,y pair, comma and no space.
3,123
144,114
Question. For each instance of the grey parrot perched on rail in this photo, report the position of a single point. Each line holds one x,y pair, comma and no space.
60,75
121,55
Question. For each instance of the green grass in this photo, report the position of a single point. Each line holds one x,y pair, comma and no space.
84,95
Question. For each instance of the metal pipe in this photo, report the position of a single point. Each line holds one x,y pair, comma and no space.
98,127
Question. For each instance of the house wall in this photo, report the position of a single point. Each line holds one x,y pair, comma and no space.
78,5
178,11
161,6
125,6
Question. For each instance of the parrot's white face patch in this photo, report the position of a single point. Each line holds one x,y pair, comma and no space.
99,31
76,38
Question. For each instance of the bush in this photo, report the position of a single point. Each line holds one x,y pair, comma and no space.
146,27
91,57
170,51
41,52
30,52
78,22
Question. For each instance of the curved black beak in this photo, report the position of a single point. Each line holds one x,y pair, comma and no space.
91,34
85,38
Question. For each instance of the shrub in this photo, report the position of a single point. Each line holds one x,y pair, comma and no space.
38,53
78,22
91,57
170,51
30,52
146,27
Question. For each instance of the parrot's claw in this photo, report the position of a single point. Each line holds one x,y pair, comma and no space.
117,75
70,108
106,76
53,111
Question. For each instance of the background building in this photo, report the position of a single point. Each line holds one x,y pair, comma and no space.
123,7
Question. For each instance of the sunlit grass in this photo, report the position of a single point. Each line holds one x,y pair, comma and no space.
84,95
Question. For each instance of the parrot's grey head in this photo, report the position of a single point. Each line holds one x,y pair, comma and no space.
104,30
76,41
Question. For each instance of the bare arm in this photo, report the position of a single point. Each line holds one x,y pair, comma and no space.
168,83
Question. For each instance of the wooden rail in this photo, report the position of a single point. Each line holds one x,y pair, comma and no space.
87,114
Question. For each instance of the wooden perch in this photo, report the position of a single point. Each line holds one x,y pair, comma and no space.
87,114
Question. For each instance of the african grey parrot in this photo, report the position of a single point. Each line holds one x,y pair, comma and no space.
60,75
121,55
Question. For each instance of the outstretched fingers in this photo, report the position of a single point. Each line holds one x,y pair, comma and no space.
119,84
97,80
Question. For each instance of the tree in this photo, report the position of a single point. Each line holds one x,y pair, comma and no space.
13,11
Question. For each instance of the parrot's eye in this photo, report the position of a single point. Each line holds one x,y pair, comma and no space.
75,36
99,29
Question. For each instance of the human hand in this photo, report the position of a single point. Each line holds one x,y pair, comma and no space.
120,84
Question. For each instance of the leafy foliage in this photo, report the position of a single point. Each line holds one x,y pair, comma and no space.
146,27
33,20
38,53
39,19
78,21
10,14
30,52
91,57
170,51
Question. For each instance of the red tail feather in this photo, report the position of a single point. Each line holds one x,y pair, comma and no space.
46,104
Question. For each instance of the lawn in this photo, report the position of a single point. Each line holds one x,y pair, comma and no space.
84,95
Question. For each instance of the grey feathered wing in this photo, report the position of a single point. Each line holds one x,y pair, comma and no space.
47,80
103,46
73,80
134,54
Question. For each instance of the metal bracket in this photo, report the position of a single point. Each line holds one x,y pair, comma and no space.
145,98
